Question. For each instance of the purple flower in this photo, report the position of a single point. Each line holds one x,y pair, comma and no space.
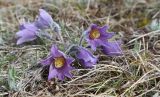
112,48
44,19
27,33
97,36
21,27
86,58
59,64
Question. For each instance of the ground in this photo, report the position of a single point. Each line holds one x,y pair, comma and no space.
134,74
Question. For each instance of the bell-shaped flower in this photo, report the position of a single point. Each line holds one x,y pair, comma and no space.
44,19
112,48
27,33
86,58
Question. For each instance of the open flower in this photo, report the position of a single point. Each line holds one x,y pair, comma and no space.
27,33
60,64
112,48
86,58
44,19
97,36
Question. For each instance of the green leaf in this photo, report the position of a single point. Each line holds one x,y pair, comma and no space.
12,78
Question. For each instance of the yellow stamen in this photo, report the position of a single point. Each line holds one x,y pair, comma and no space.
94,34
59,62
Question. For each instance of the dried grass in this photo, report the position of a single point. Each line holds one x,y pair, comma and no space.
135,74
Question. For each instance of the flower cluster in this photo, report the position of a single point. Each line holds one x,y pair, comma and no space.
30,31
60,63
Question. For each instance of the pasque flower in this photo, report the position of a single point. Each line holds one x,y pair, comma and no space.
44,19
112,48
85,57
60,64
97,36
27,33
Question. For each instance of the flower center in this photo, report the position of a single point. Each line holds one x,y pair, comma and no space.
59,62
94,34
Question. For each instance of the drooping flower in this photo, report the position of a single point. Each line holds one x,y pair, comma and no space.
112,48
27,33
86,58
97,36
60,64
44,19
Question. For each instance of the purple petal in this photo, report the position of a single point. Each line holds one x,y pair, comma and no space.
96,43
87,32
65,71
26,25
61,76
21,27
83,53
93,44
25,39
112,48
86,58
69,75
93,26
55,52
30,27
46,16
104,28
104,33
52,73
69,60
47,61
25,33
44,19
25,36
87,64
60,73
